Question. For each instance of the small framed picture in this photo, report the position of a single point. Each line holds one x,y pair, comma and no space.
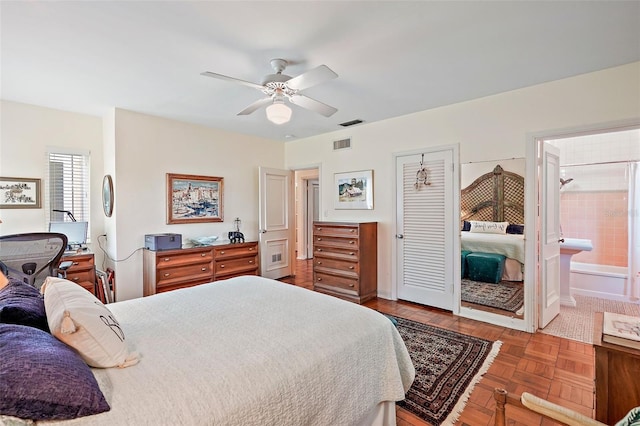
354,190
194,199
20,193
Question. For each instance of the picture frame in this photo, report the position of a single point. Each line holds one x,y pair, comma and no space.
354,190
194,199
20,193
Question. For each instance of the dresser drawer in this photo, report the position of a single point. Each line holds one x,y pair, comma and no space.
335,283
79,263
336,253
336,231
338,242
81,276
233,266
341,265
231,251
201,271
180,258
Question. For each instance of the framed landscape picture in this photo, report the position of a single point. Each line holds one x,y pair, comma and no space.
194,199
20,193
354,190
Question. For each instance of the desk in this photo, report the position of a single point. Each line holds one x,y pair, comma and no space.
83,270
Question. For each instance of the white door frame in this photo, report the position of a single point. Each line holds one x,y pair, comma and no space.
532,246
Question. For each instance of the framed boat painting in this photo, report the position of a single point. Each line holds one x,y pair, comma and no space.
354,190
194,199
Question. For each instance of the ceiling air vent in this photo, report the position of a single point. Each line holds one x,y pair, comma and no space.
350,123
342,144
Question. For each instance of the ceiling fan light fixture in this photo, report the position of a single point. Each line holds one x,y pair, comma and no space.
278,113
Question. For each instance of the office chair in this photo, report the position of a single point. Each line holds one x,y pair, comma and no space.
33,256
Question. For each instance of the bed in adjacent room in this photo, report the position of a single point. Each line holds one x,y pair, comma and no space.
251,351
495,198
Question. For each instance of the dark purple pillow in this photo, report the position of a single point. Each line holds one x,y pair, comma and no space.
41,378
515,229
22,304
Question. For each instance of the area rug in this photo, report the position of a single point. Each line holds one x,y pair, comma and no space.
505,295
448,365
578,323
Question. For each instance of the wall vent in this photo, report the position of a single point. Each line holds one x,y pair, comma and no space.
276,257
350,123
342,144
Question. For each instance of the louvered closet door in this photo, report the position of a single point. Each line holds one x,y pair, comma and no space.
425,230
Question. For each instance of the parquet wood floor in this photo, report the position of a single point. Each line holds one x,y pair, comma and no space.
559,370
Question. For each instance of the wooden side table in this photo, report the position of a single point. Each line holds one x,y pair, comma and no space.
617,384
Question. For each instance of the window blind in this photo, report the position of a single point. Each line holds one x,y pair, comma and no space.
68,186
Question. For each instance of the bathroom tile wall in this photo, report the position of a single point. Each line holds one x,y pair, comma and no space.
594,205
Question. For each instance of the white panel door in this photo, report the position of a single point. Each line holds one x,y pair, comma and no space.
550,235
424,229
276,222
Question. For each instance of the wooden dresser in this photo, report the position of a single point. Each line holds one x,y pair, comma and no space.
345,259
172,269
83,270
617,371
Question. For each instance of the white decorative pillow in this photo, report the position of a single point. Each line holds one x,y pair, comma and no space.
80,320
489,227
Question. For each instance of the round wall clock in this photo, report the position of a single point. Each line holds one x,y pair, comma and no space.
107,195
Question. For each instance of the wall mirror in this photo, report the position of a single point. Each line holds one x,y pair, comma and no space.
492,240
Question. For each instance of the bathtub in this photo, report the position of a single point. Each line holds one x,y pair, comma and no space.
603,281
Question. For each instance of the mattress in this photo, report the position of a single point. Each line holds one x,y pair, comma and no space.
252,351
509,245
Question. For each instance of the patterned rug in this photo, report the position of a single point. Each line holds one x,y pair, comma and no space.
578,323
448,365
505,295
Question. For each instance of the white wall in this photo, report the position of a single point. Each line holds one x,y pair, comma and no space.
26,132
146,148
490,128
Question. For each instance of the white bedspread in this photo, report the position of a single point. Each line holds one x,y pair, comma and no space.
510,245
252,351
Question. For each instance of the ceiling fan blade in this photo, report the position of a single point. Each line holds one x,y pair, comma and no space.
313,105
256,105
233,80
311,78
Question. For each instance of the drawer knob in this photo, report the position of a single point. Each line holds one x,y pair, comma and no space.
319,249
351,253
75,263
251,262
350,267
166,274
166,259
221,266
250,248
76,278
203,269
352,242
353,230
222,252
319,229
203,254
319,239
319,279
350,285
319,263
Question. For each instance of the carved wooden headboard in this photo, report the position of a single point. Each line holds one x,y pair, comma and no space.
497,196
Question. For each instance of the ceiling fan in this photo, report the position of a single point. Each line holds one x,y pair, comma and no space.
279,87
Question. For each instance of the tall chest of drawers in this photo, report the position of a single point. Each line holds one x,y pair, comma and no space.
345,259
172,269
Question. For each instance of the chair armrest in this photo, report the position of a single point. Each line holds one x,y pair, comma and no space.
557,412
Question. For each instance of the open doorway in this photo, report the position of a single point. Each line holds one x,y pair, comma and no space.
307,210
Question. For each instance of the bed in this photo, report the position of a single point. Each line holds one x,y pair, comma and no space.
497,196
253,351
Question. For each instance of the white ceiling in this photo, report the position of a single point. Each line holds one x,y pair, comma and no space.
392,58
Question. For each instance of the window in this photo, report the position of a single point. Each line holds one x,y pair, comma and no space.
67,187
